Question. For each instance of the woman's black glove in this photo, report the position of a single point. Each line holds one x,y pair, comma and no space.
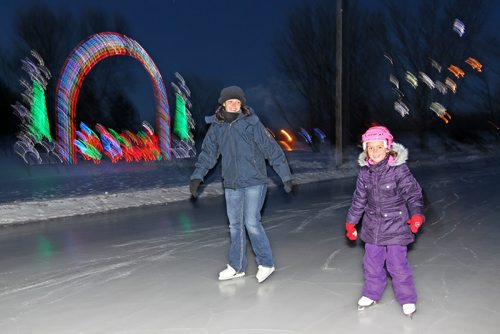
289,185
193,187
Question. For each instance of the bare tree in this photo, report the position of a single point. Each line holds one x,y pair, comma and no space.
381,41
7,98
418,35
41,29
7,126
306,56
123,115
54,34
108,85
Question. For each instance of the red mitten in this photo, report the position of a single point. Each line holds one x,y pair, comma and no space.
351,234
415,222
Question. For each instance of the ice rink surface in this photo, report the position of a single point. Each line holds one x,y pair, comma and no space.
155,270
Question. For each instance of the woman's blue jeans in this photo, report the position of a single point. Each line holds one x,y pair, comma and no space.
243,207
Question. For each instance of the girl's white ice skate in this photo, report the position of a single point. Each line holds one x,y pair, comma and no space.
409,309
365,302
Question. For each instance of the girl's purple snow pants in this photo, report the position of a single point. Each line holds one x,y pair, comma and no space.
394,256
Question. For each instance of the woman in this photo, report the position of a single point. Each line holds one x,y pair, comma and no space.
239,137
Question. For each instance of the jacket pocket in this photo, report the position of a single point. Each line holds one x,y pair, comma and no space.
388,189
393,214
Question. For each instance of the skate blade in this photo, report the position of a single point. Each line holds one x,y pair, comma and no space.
238,275
361,308
411,315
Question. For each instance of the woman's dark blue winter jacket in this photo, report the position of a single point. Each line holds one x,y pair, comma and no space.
244,145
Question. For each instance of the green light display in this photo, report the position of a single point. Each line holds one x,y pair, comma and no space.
181,128
39,126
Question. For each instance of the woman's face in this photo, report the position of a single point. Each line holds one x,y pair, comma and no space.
376,151
232,105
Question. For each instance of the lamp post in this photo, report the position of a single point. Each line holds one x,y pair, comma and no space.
338,88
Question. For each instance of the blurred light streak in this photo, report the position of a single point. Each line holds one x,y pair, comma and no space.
436,65
401,108
441,87
440,111
307,137
426,80
474,64
285,145
451,85
320,134
287,135
34,142
457,71
394,81
184,122
496,126
116,146
411,79
459,27
271,132
79,63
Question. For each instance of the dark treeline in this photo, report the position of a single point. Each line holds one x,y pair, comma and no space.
53,35
378,41
106,96
394,38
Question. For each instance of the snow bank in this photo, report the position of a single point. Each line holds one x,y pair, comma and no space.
307,167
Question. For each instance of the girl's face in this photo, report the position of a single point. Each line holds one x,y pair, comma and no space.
376,151
232,105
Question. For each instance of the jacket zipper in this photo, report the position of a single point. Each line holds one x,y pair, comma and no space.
379,213
234,154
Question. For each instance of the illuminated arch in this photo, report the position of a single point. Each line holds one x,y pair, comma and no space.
79,63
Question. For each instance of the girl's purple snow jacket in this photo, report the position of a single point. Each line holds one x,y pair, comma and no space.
387,194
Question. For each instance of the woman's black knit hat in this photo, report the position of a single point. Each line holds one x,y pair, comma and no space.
232,92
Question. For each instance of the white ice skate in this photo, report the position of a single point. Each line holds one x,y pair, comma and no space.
409,309
263,273
229,273
365,302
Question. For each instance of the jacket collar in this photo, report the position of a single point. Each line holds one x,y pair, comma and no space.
400,159
252,118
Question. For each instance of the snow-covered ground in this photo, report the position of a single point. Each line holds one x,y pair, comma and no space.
154,270
36,193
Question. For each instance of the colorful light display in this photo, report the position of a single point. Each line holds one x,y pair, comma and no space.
117,146
34,144
439,83
79,63
184,123
181,124
39,127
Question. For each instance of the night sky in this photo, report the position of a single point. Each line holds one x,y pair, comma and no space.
230,41
224,39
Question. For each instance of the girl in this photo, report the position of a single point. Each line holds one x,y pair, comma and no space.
390,201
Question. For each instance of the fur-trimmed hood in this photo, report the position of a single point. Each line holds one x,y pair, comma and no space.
399,160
